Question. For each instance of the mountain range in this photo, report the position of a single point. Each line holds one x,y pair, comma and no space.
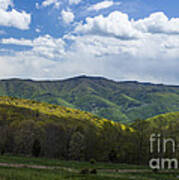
117,101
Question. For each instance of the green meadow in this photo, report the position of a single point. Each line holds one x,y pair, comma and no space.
105,171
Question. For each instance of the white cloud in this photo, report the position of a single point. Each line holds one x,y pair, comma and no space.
4,4
45,46
48,47
102,5
37,6
74,2
13,18
148,47
116,24
37,30
46,3
20,20
158,23
22,42
67,16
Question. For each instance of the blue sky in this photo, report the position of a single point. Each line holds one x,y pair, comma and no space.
118,39
47,18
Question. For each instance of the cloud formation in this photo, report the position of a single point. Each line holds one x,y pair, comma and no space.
74,1
158,23
45,46
102,5
13,18
115,24
46,3
4,4
118,24
113,46
67,16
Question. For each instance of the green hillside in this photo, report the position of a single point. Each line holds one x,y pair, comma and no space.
118,101
19,110
168,117
168,122
32,128
163,126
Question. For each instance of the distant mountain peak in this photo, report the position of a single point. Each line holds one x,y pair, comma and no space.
87,77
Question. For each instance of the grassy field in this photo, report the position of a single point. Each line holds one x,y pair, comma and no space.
34,174
67,164
106,171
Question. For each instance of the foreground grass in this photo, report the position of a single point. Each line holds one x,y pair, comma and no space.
67,164
34,174
106,171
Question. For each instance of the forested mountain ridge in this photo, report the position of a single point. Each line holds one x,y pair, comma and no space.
118,101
